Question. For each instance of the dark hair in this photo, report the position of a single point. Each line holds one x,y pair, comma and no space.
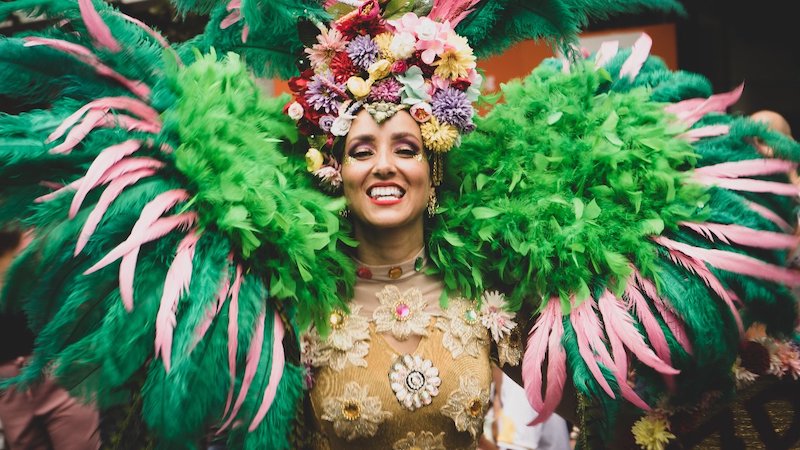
10,238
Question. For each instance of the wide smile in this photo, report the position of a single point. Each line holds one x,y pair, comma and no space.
386,195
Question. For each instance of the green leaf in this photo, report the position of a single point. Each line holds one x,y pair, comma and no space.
592,210
482,212
578,206
481,180
453,239
554,117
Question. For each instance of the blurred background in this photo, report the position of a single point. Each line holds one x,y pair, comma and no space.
729,41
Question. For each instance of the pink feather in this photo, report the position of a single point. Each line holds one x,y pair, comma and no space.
127,272
130,124
692,110
106,198
619,323
556,370
105,104
233,333
158,229
710,280
253,358
87,57
747,168
275,375
96,27
607,50
743,235
176,284
579,317
639,52
92,120
695,134
770,215
734,262
65,188
453,11
673,322
535,351
750,185
106,159
651,326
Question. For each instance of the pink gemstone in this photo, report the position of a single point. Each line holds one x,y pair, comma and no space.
402,311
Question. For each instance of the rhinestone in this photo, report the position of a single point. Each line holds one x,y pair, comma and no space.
470,316
364,272
336,319
402,311
395,272
351,410
475,408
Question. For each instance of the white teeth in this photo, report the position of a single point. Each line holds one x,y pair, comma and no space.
386,191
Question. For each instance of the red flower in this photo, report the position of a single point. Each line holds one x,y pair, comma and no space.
399,67
298,85
462,84
365,21
342,67
416,60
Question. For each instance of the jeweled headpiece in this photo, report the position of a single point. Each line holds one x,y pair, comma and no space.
385,62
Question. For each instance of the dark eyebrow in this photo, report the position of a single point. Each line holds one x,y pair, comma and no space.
360,139
405,135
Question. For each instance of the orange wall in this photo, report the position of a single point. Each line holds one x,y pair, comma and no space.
520,59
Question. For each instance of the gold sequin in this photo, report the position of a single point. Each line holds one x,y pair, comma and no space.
355,414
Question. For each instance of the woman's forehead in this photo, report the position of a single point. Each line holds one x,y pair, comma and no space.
400,124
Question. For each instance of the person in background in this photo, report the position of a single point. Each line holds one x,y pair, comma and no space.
511,415
774,121
45,416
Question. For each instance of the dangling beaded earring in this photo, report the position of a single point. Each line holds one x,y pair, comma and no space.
433,203
344,213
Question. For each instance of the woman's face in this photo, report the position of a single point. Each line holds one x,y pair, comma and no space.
385,172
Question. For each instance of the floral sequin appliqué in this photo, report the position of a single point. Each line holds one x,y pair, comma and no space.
424,441
415,381
354,414
401,313
348,342
463,331
467,405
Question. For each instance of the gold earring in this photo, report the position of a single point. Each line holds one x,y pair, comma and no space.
344,213
433,204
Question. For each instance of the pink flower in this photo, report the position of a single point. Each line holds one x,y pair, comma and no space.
399,67
329,43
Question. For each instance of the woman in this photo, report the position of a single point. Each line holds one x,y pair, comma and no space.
416,373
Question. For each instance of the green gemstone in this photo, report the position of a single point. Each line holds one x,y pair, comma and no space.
471,316
418,264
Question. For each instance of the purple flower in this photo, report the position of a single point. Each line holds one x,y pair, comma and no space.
452,106
363,51
325,122
386,90
324,94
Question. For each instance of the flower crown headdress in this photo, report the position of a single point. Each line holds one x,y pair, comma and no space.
415,61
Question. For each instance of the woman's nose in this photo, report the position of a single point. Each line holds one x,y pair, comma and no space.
384,163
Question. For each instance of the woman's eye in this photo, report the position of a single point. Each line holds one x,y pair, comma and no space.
360,153
407,151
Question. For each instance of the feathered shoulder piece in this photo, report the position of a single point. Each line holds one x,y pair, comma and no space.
175,241
639,221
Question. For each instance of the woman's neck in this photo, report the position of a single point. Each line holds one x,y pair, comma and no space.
387,246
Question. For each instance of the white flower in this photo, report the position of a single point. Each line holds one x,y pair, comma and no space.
415,381
295,111
427,29
401,313
421,112
341,126
348,341
402,46
494,315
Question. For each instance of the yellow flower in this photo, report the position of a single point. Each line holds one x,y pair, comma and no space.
457,59
384,40
313,159
652,432
438,137
379,69
359,87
